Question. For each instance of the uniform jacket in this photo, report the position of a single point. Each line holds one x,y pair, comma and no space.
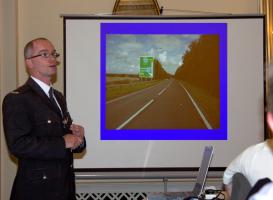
34,133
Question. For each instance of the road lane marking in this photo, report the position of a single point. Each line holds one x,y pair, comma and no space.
161,91
197,108
134,115
131,94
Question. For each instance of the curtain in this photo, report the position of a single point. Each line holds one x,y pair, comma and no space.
266,8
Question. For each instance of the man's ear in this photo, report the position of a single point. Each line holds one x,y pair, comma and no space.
269,119
28,63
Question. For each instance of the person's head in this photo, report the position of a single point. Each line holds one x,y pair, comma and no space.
40,58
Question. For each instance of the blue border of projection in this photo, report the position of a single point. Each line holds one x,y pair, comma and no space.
167,28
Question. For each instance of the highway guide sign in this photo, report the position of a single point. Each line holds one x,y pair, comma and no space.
146,69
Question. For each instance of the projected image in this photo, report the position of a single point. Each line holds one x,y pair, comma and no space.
162,85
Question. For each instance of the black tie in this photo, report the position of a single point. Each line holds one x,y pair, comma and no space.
52,100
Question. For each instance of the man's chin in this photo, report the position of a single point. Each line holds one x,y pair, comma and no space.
51,74
53,70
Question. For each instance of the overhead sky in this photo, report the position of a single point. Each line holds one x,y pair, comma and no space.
123,51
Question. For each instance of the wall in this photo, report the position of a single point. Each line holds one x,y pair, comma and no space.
43,19
23,20
209,6
8,77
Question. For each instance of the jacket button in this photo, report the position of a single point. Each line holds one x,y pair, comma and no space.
44,177
49,121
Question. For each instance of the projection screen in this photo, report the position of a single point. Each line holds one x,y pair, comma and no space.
124,78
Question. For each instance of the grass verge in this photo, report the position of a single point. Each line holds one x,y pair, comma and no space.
115,91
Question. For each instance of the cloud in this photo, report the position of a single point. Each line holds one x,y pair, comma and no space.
123,51
163,56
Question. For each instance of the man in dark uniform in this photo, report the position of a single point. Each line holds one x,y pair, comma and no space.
39,130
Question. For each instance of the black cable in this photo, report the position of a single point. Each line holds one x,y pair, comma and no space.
217,196
212,191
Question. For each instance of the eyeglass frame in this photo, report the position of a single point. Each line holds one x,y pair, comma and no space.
54,54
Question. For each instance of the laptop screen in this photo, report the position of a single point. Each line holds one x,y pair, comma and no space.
203,170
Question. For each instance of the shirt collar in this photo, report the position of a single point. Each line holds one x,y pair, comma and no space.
43,85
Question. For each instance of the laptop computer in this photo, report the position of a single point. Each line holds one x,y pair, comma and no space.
199,184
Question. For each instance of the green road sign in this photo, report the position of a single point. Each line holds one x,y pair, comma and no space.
146,67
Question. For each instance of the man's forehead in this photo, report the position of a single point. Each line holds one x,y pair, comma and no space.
43,45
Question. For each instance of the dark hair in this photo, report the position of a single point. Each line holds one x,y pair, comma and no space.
29,47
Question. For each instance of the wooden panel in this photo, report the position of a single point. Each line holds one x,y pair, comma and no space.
136,7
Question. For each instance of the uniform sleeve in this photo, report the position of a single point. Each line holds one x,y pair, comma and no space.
18,132
80,148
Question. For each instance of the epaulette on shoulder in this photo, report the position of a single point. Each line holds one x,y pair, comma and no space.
20,90
15,92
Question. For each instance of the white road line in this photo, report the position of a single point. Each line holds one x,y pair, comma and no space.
131,94
197,108
134,115
161,91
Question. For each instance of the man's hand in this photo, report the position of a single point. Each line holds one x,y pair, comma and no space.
75,139
77,130
72,141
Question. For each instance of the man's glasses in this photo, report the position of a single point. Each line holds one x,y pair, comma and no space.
46,54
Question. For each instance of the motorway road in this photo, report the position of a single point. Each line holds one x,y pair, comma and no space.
167,105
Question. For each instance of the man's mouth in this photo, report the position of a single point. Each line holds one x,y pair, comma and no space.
52,65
